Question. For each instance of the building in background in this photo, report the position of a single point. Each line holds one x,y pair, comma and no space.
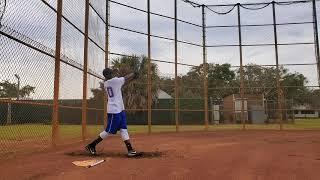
163,95
305,111
254,109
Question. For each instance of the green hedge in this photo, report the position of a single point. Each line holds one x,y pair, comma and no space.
26,113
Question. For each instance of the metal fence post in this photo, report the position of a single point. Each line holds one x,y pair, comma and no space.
55,113
277,65
243,119
149,71
316,37
107,34
105,111
176,85
85,72
205,68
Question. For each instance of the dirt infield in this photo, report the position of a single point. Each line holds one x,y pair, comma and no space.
242,155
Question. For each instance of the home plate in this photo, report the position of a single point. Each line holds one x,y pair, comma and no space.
88,163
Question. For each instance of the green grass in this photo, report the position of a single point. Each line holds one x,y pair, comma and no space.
305,124
35,131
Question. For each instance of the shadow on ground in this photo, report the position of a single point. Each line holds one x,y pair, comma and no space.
155,154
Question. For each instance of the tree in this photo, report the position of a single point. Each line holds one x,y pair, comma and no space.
191,84
260,80
97,99
10,90
315,98
294,87
221,79
167,85
134,94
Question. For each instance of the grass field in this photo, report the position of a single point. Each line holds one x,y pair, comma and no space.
30,131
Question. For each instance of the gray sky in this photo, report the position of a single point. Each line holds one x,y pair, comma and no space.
162,49
39,25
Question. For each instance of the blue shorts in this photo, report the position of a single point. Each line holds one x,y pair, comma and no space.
116,122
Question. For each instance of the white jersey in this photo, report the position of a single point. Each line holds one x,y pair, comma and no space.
113,88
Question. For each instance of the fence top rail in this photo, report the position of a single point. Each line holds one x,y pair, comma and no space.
153,13
257,25
262,3
257,45
155,60
274,65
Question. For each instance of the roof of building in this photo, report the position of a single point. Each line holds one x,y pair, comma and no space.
163,95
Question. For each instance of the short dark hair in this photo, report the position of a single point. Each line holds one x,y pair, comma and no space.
107,73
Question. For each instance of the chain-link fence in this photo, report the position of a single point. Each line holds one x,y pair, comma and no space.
47,96
202,67
275,56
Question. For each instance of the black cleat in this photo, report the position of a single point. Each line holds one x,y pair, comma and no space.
132,153
91,149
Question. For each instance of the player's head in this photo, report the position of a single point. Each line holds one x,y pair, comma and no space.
107,73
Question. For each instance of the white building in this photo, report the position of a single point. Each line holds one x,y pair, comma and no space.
305,111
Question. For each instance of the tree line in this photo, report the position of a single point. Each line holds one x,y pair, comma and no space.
223,80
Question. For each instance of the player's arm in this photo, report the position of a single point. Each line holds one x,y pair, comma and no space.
130,77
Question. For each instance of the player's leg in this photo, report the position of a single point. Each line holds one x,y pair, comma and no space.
91,148
125,135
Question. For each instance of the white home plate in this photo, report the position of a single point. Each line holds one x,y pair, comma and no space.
88,163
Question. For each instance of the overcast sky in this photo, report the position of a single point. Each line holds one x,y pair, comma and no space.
162,49
39,24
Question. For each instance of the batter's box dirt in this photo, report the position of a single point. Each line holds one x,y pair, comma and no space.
280,141
155,154
295,155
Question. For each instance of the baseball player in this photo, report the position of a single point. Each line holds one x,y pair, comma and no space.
116,114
